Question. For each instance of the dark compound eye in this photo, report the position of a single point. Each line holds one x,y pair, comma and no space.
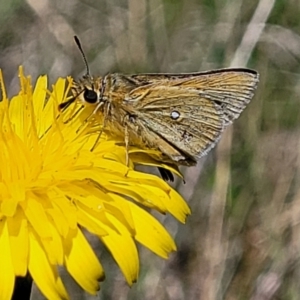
90,96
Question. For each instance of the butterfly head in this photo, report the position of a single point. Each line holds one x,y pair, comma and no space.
88,90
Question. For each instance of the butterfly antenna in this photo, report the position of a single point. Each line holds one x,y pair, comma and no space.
77,41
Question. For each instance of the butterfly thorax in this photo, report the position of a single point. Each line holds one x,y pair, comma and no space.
108,97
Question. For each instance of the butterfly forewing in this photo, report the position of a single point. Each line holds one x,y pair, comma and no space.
191,111
189,123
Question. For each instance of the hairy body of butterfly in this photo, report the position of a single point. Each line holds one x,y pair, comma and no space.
180,115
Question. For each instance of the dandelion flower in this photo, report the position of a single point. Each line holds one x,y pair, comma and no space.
52,187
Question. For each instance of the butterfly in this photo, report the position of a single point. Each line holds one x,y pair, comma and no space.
182,116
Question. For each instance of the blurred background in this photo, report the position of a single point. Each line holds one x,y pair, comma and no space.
242,240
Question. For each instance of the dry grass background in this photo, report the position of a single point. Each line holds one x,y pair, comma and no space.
243,238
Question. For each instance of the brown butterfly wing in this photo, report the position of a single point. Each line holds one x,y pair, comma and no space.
181,120
190,112
234,88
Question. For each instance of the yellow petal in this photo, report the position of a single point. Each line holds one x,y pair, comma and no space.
86,220
123,250
82,263
7,276
120,208
177,206
39,94
66,207
35,213
151,233
59,220
43,273
53,246
18,237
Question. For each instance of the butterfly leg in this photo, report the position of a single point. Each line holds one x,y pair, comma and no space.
127,145
104,124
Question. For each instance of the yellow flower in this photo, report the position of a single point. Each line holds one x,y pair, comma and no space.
52,186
